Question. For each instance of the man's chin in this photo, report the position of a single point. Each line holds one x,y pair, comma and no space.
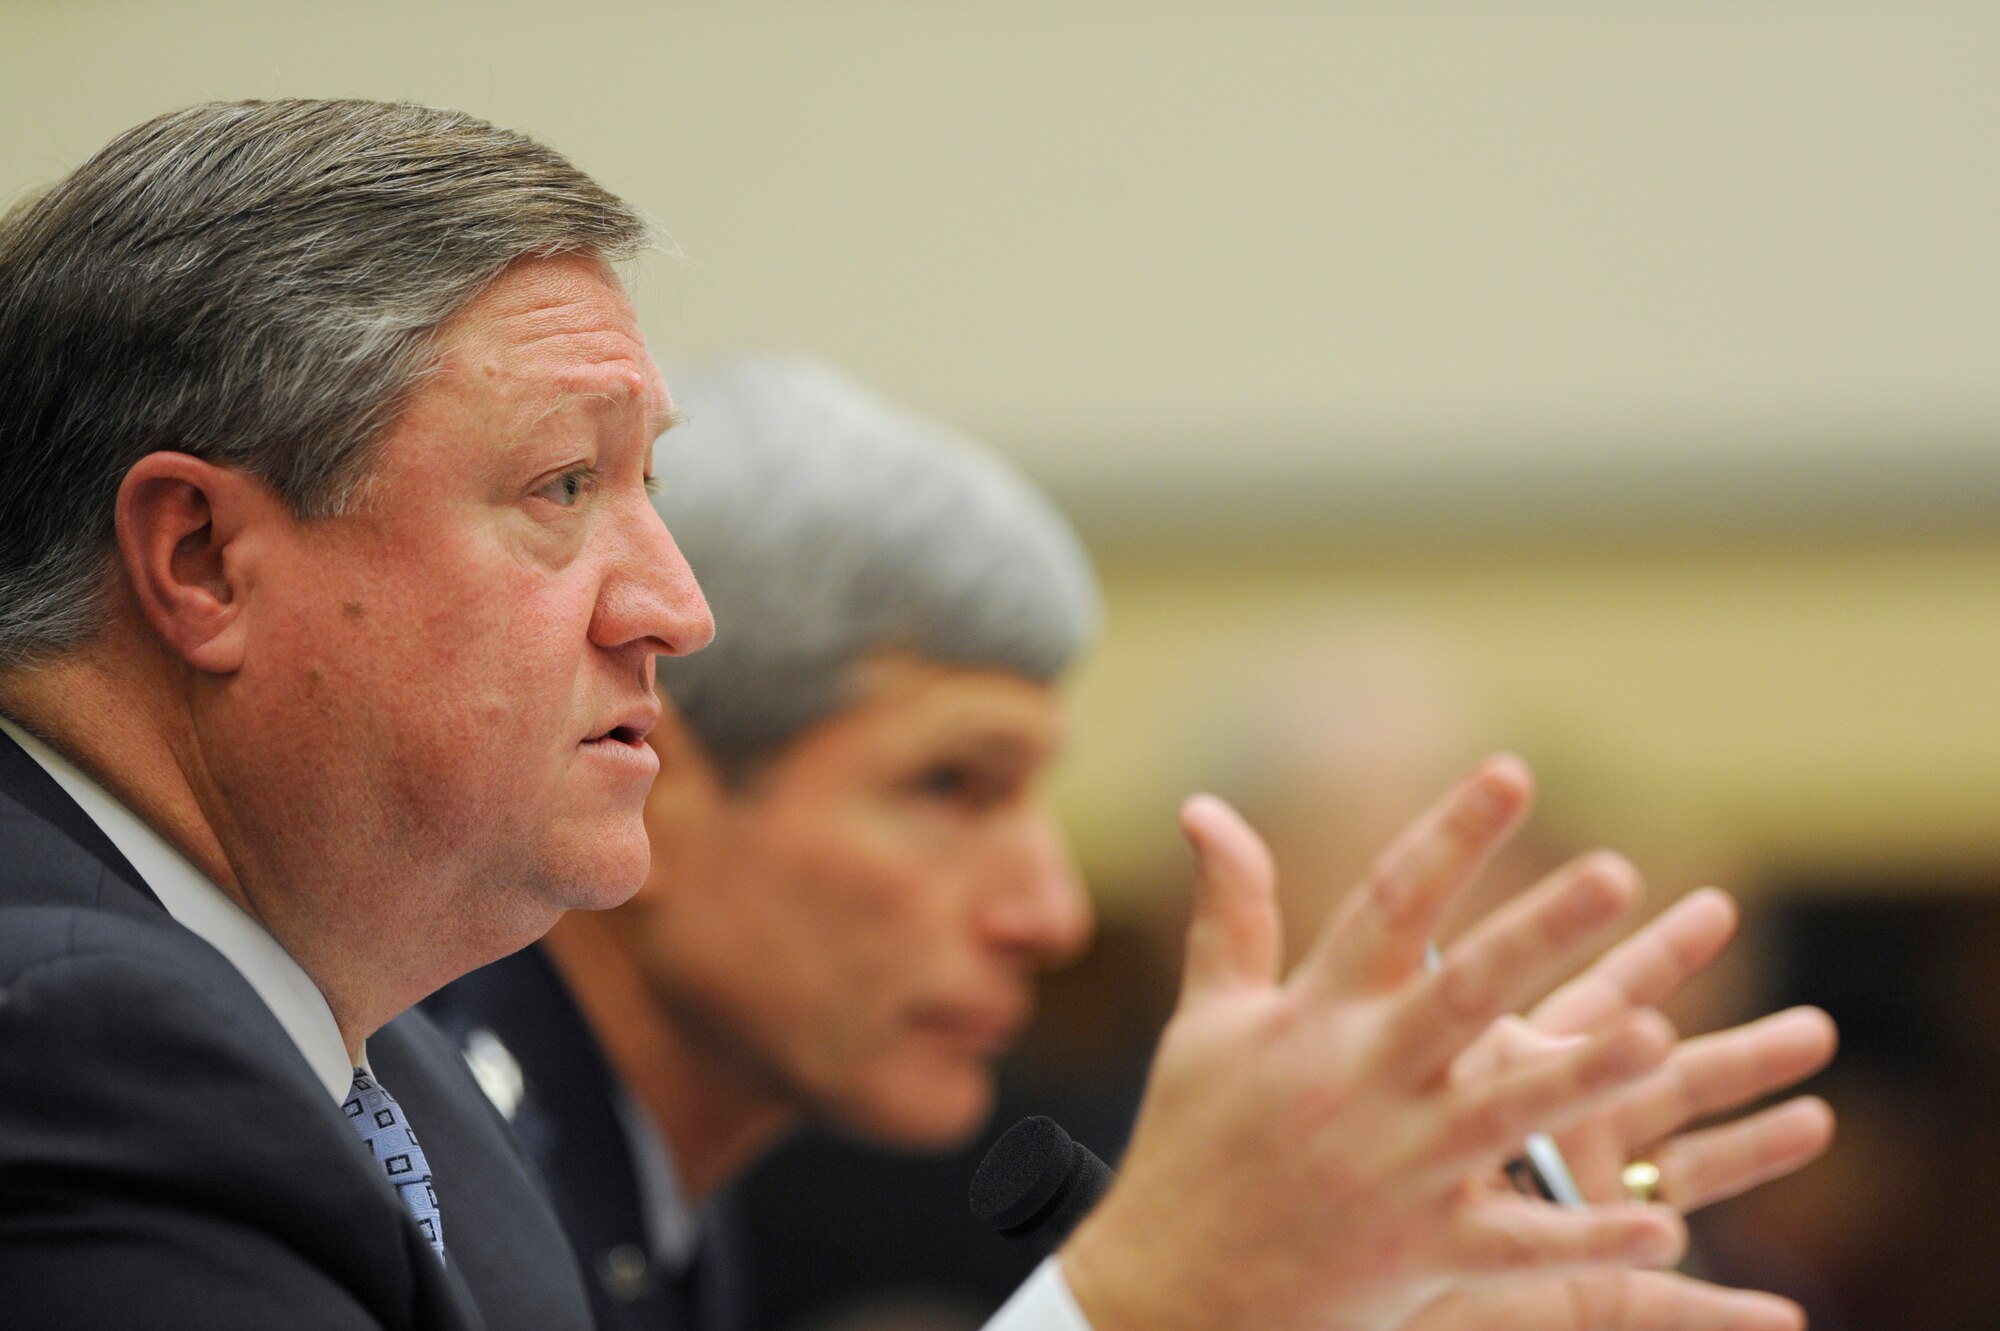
602,872
941,1120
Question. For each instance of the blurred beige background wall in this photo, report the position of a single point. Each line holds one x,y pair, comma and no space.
1645,355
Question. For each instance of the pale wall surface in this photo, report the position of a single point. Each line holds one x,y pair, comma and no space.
1260,240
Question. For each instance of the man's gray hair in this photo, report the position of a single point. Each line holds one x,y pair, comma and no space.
259,284
826,525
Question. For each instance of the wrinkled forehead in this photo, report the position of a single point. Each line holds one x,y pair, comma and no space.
564,328
551,349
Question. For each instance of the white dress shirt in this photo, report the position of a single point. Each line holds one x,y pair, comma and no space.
1044,1303
205,911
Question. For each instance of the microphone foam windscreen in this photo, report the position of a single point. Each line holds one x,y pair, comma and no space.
1036,1183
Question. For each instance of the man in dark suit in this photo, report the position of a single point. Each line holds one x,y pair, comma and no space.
329,593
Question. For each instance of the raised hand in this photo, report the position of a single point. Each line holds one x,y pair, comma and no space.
1301,1157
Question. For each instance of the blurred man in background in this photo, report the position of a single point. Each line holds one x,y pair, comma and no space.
855,879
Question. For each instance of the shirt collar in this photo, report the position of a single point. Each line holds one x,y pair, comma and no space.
203,909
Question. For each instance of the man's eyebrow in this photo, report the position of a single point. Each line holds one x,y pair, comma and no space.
1006,747
662,423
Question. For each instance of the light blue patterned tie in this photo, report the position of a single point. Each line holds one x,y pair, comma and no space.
379,1120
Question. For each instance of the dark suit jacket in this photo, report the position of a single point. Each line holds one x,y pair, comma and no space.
168,1159
569,1125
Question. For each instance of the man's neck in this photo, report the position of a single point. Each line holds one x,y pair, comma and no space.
103,724
111,715
716,1121
188,893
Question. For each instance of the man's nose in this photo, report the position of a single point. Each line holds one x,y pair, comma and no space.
1037,906
650,597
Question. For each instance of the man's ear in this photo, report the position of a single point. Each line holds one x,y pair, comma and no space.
180,524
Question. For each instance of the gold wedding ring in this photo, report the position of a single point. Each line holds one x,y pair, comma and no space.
1642,1181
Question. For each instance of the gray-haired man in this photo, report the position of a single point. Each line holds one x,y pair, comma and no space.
329,595
855,880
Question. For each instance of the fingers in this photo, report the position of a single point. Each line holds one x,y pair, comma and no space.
1508,1043
1665,1301
1503,1235
1714,1073
1233,936
1376,938
1609,1301
1711,1166
1483,1123
1647,968
1507,959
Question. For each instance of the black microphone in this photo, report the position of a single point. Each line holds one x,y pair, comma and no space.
1036,1183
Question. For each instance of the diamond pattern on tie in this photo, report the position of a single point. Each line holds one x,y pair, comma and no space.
379,1121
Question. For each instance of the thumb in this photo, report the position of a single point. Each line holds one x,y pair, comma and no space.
1233,936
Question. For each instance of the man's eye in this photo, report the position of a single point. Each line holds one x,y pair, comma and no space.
966,786
569,488
944,782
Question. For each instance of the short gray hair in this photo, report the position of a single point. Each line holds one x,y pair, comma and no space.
256,283
826,525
